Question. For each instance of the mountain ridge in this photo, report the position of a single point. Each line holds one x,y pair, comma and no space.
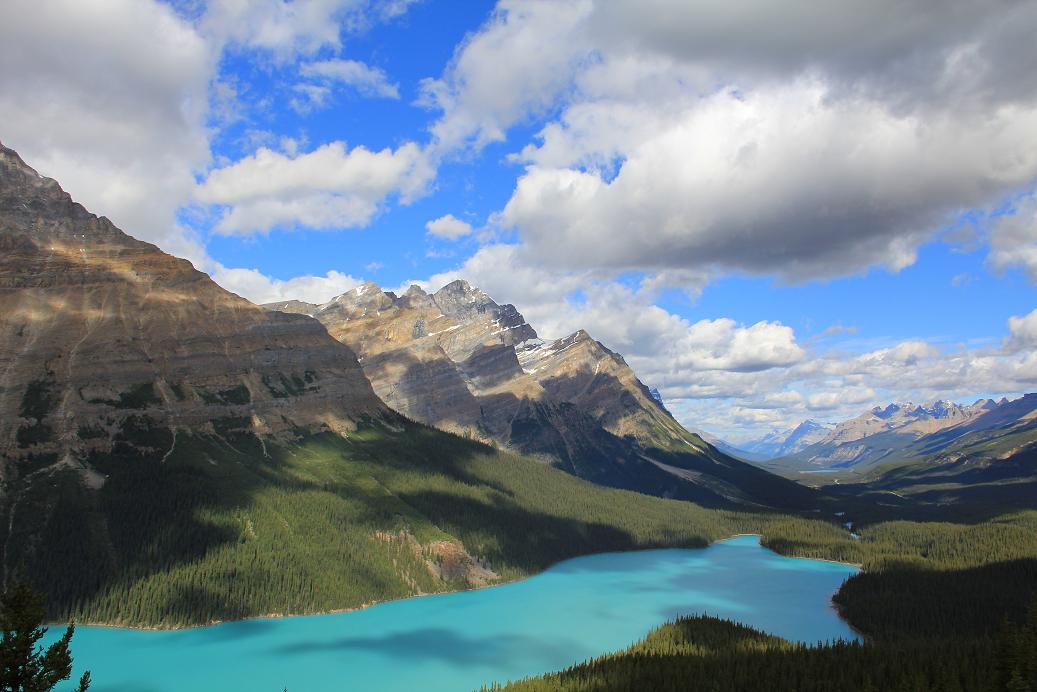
457,360
172,454
779,443
901,429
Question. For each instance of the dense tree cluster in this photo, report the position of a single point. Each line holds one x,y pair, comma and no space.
704,653
221,526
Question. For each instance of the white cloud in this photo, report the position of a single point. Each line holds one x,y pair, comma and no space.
514,66
845,396
1013,238
366,80
1022,332
282,27
110,99
711,137
775,181
736,379
328,187
448,227
259,288
310,97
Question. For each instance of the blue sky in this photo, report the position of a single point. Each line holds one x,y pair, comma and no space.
772,220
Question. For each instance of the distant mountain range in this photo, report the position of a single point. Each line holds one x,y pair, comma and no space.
935,452
780,443
899,431
459,361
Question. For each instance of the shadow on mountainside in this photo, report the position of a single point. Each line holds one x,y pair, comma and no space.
574,441
227,527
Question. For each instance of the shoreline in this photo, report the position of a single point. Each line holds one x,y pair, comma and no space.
371,604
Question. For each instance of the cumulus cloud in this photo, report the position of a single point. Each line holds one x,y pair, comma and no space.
111,100
259,288
287,28
773,138
329,187
448,227
736,379
775,181
366,80
1022,332
1013,238
513,67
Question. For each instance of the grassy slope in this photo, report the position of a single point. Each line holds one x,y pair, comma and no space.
225,529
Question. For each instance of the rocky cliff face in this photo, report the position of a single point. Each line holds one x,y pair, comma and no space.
458,360
106,340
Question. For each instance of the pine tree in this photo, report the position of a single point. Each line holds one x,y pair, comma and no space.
24,666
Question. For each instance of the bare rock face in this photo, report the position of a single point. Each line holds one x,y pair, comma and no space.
99,331
457,360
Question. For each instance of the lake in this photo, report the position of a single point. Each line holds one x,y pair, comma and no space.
576,610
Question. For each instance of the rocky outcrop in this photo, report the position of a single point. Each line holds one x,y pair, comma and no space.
106,339
458,360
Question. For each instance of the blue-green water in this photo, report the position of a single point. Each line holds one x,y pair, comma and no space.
576,610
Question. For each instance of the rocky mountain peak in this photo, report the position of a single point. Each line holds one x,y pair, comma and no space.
458,299
37,207
415,291
105,335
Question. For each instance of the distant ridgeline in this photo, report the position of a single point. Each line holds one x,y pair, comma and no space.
935,454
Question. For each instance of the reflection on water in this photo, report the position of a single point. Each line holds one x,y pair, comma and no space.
578,609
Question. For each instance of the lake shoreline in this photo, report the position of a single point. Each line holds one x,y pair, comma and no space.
365,606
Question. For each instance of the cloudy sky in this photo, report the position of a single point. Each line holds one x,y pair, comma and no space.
776,209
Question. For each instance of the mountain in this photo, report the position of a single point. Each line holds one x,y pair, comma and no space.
783,443
989,460
172,454
106,340
459,361
1000,473
901,432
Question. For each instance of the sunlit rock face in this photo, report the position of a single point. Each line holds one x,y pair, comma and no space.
104,338
457,360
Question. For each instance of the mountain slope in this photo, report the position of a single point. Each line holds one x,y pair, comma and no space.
783,443
979,462
99,330
172,454
459,361
900,432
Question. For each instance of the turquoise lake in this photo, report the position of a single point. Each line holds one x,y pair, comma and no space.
576,610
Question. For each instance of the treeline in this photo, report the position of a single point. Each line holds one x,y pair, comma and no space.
705,653
904,603
224,526
941,606
187,529
908,544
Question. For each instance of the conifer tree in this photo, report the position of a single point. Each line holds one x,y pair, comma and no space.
25,666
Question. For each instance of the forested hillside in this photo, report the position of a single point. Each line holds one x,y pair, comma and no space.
940,606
